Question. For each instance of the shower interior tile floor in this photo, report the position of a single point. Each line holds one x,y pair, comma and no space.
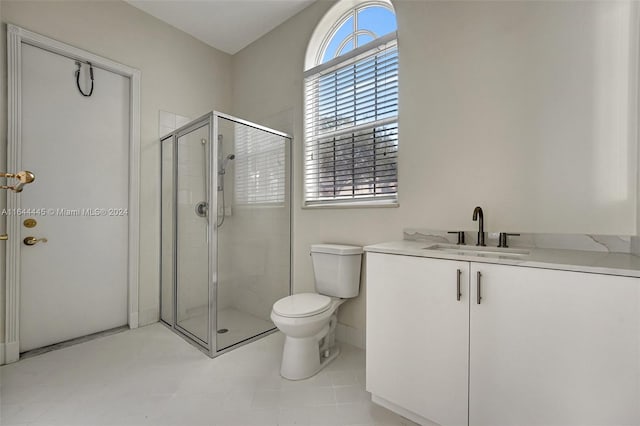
240,326
150,376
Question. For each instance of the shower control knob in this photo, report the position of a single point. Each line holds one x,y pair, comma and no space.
202,209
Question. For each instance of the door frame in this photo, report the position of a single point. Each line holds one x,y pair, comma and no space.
16,37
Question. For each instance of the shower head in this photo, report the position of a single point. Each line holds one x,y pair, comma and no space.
223,168
226,160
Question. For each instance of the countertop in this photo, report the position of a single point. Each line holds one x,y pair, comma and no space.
621,264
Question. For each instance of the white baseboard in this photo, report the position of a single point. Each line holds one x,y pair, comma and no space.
133,320
351,335
10,352
148,316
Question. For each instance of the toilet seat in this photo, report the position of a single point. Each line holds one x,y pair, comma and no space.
302,305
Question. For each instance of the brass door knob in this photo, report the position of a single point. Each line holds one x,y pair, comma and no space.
24,177
4,237
30,241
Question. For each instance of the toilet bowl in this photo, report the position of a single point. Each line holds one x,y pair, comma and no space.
309,320
310,337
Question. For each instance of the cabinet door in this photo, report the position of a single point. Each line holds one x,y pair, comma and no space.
417,335
553,348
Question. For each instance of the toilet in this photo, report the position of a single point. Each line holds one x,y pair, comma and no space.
309,320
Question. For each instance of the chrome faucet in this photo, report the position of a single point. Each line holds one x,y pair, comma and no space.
478,212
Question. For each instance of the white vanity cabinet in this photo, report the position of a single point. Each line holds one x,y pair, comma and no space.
543,347
551,347
418,335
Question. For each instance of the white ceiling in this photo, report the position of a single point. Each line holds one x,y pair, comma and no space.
228,25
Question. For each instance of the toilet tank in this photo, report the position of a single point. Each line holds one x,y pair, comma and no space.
336,269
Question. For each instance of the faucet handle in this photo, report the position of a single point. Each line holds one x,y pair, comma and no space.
502,239
460,236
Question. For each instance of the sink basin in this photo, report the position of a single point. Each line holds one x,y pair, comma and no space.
497,252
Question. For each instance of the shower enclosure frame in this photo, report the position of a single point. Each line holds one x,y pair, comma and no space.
211,119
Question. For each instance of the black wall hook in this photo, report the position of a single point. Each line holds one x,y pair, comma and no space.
79,64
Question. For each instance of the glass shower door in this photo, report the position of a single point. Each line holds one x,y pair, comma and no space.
253,228
192,232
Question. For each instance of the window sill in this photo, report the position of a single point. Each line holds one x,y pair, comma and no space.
352,205
254,206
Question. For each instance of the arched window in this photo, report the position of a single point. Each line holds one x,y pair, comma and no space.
351,106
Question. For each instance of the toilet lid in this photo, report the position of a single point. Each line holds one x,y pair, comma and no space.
302,305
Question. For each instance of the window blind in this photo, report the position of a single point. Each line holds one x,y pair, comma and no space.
351,127
260,167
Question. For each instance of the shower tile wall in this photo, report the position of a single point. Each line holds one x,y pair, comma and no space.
260,252
169,121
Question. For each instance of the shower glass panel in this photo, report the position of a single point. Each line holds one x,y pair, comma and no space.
192,251
225,230
253,229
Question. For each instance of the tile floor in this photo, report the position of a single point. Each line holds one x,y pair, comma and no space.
150,376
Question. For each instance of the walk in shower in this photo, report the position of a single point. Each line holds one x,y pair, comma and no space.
225,230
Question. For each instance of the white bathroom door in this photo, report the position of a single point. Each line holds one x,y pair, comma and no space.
75,283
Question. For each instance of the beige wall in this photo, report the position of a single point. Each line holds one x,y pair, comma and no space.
524,108
178,74
521,107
